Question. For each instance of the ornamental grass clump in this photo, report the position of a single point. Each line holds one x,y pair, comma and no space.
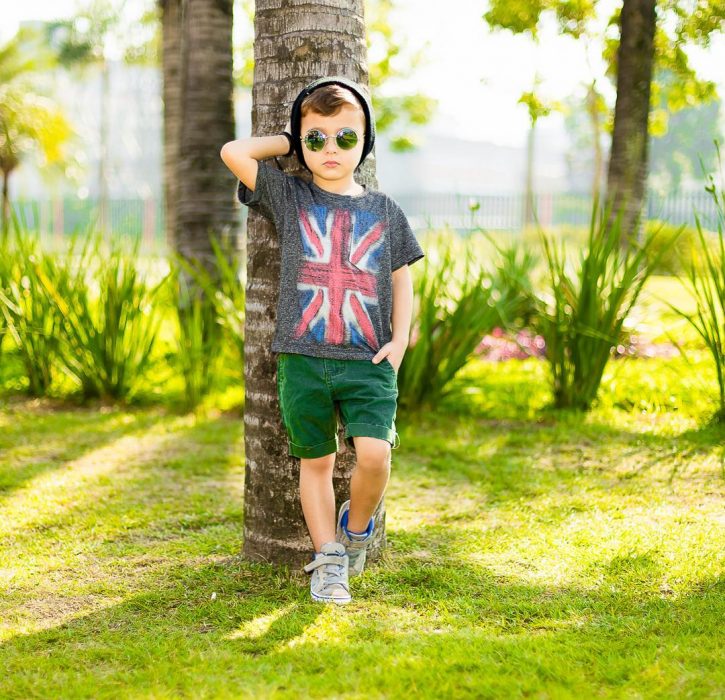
199,333
582,311
5,267
110,318
706,283
224,285
29,315
456,309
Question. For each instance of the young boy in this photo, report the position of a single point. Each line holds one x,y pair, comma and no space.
344,252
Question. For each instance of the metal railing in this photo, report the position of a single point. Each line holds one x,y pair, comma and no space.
463,213
507,212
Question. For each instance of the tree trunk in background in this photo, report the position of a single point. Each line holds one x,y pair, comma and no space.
594,118
204,207
170,11
103,198
529,184
627,175
293,46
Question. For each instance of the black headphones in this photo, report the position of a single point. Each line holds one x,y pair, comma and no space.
296,116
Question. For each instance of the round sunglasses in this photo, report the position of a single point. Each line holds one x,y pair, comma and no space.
346,139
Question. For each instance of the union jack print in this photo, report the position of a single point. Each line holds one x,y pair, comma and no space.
336,280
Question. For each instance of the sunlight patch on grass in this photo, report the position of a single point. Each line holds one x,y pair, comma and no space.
41,613
259,626
92,477
332,626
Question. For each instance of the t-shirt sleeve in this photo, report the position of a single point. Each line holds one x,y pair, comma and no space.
405,249
271,191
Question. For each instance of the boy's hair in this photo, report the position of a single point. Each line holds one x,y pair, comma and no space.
328,99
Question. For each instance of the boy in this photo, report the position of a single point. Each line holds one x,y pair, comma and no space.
344,252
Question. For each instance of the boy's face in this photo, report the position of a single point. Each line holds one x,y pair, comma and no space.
345,161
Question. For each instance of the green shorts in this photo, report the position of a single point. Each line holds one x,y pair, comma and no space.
314,392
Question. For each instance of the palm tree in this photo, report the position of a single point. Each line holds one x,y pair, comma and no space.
170,11
293,45
198,115
626,180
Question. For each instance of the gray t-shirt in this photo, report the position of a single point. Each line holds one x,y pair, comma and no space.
337,255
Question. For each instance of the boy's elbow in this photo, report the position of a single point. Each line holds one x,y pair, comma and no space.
225,151
231,148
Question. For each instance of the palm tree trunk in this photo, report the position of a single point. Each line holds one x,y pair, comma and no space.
529,185
203,205
592,102
627,175
293,46
170,11
103,203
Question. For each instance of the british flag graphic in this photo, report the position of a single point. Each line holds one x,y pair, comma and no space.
336,280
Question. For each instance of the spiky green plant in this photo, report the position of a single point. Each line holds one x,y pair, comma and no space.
5,267
455,309
30,316
110,321
224,285
199,332
706,283
581,314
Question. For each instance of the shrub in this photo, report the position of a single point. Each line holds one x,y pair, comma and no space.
456,308
109,319
582,313
706,282
30,316
673,246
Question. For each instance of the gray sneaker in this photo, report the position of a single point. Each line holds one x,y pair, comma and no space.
329,583
355,547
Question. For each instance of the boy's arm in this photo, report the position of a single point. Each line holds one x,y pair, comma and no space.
402,314
241,156
402,307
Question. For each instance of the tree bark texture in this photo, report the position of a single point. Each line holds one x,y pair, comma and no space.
295,43
203,123
627,176
170,11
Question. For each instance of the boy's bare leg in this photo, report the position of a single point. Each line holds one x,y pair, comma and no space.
318,498
369,480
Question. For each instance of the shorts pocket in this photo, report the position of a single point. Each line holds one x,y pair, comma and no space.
390,365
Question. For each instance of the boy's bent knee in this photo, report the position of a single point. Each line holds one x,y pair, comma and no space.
371,452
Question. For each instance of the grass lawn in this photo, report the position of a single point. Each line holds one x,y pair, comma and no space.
531,554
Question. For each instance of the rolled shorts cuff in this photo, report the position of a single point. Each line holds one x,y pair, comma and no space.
371,430
319,450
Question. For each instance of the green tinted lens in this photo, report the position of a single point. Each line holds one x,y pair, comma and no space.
346,139
315,140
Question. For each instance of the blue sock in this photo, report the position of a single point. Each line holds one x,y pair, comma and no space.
356,535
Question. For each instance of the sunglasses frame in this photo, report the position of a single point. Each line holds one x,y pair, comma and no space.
329,136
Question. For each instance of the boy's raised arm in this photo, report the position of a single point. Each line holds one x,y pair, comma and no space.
241,156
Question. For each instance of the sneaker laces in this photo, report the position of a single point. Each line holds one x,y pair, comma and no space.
331,569
333,574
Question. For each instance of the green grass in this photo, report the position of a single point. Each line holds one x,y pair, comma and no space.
531,553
